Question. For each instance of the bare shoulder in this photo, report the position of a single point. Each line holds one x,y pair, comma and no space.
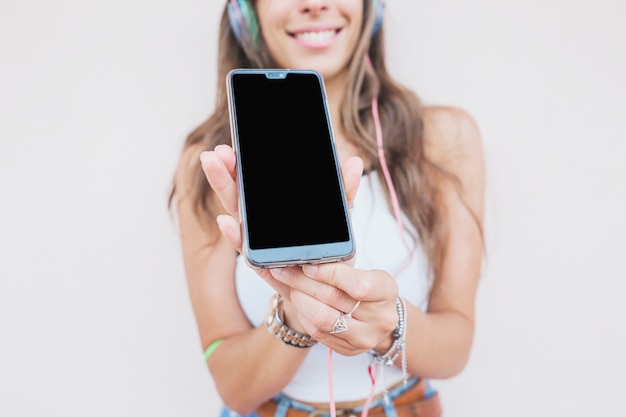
453,141
450,132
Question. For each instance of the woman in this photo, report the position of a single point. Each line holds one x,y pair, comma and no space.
406,300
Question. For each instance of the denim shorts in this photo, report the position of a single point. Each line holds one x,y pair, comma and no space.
284,402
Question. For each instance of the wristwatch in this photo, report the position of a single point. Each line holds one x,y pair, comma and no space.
276,326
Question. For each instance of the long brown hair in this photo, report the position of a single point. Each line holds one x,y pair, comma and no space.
414,175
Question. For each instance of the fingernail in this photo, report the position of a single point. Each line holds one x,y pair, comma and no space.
310,270
203,155
220,219
277,273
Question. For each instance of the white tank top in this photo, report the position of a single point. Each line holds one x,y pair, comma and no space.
378,246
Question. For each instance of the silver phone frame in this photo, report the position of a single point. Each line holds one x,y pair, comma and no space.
290,255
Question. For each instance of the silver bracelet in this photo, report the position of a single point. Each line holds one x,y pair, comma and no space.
397,348
276,326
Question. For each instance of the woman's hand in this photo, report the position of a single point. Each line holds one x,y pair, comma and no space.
320,294
219,167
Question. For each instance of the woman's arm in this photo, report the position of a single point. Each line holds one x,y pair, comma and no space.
444,335
440,340
251,365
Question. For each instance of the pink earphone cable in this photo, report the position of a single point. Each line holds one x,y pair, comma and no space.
392,191
331,400
373,370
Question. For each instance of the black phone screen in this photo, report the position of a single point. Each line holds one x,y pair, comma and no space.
290,176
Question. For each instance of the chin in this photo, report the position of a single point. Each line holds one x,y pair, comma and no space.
328,70
332,74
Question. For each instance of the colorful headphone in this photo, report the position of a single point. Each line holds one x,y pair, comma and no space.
245,26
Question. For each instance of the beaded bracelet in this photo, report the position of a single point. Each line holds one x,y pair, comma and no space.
398,346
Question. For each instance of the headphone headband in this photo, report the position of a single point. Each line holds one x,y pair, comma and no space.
245,26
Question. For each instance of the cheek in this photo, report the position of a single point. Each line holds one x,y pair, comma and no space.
354,8
271,23
272,14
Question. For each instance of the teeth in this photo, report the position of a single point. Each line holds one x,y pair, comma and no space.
316,36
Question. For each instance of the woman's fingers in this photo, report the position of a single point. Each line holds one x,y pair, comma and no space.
352,171
278,286
356,283
345,324
227,155
220,171
360,334
231,230
219,168
338,287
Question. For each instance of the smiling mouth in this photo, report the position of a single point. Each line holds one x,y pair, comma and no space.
316,36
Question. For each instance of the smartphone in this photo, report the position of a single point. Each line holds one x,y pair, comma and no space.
291,197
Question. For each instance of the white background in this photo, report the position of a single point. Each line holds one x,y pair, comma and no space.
97,97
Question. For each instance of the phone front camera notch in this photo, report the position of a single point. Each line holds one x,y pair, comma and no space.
276,75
